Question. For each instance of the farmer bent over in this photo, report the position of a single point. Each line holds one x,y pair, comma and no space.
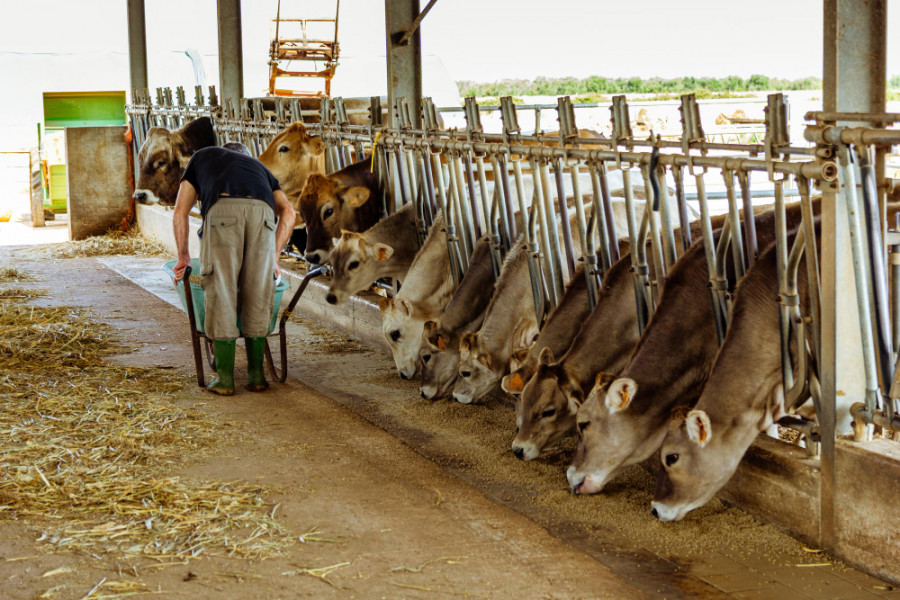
239,247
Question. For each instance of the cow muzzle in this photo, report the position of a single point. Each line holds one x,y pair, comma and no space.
145,197
664,513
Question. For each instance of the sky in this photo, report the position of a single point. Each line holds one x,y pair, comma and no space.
56,45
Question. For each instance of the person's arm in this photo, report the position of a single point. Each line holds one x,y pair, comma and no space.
286,218
187,195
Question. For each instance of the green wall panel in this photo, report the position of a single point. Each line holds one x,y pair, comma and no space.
80,109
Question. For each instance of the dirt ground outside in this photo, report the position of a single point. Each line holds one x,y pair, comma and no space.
405,498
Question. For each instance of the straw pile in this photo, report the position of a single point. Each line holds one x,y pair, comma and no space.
115,242
88,448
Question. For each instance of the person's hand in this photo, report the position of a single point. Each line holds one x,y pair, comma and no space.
277,269
180,266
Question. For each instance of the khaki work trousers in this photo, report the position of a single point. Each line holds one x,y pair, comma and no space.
237,252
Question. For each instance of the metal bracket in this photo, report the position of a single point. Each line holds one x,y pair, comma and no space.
568,131
620,120
402,118
213,99
375,111
474,130
430,116
198,95
691,129
179,96
776,130
325,115
340,112
509,117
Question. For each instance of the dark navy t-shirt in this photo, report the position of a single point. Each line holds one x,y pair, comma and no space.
214,171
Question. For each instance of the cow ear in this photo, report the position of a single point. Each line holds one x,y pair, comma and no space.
698,427
384,304
381,252
678,416
523,334
620,394
513,383
355,196
405,306
197,134
546,357
485,359
465,342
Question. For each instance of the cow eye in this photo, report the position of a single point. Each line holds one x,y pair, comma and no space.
582,426
159,164
354,264
548,413
465,374
283,149
426,358
328,213
395,335
671,459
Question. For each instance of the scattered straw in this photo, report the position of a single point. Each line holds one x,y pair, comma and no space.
20,293
422,588
91,446
129,242
9,274
320,573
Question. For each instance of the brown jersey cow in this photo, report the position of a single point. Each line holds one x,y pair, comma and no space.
347,200
292,157
163,157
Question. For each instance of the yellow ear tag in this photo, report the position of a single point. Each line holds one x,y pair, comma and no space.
623,394
382,254
701,431
441,343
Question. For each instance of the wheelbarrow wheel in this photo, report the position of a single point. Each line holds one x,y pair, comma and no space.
210,354
277,362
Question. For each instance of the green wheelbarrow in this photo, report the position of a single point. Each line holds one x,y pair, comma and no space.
192,301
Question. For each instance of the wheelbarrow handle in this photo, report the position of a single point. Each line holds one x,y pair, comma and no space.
195,336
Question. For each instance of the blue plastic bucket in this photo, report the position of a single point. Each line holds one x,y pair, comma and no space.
198,297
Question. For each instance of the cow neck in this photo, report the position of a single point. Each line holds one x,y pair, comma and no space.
606,338
399,232
677,349
512,301
565,321
474,291
744,381
428,283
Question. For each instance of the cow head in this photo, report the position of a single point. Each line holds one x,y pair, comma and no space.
480,368
163,157
699,455
325,208
292,157
402,325
612,434
543,413
438,360
355,262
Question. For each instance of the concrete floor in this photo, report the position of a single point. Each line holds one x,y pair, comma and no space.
402,482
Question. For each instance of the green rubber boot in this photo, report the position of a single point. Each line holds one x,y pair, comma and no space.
256,375
223,382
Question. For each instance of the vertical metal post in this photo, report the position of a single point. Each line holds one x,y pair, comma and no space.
231,54
854,80
137,47
404,63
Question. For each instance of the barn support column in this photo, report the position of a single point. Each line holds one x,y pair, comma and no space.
854,80
137,47
404,56
231,54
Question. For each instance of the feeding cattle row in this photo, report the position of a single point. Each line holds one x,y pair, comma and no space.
534,272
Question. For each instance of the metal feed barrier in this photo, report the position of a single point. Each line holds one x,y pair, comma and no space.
510,185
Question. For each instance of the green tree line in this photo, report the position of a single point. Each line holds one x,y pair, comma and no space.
570,86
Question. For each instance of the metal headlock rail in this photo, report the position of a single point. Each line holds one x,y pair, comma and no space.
521,188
